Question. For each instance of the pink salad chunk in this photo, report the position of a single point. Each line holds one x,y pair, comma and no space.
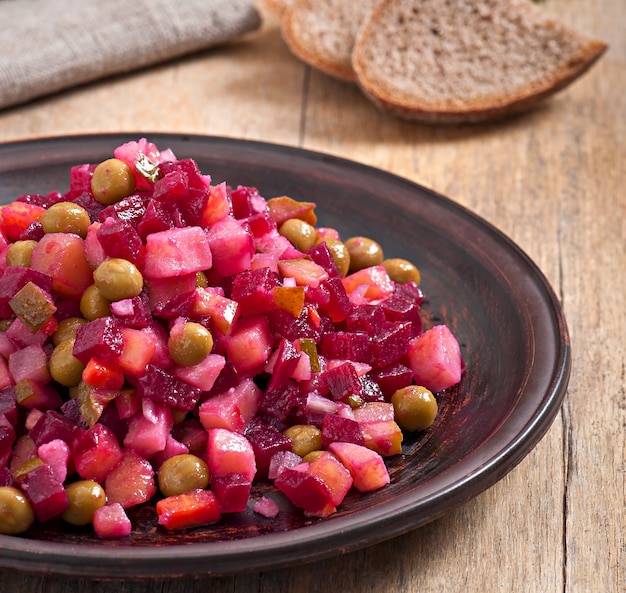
198,349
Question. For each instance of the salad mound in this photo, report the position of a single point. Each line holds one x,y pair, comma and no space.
169,339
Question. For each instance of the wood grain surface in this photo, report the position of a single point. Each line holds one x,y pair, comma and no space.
553,180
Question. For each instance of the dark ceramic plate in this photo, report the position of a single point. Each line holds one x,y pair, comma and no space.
510,325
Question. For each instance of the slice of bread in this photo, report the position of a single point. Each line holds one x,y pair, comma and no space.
458,61
276,7
322,32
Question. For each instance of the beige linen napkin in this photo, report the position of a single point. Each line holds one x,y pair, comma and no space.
49,45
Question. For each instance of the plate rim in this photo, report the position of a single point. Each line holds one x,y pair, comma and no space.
53,557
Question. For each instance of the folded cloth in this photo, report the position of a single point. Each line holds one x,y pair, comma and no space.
49,45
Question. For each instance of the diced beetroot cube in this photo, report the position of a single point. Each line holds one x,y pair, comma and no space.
229,452
176,252
148,430
280,460
21,337
53,425
131,481
158,217
338,305
6,477
249,343
14,279
370,390
284,364
399,308
133,312
231,245
7,439
247,201
95,453
232,409
366,467
435,359
80,177
305,490
164,388
282,403
87,201
252,289
266,441
45,492
6,346
343,345
191,509
120,239
111,521
336,428
366,318
101,338
391,343
392,377
410,291
193,435
342,381
266,507
260,225
284,325
130,209
8,405
6,380
322,256
171,297
173,186
232,492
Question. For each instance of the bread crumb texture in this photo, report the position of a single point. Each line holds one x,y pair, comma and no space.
467,56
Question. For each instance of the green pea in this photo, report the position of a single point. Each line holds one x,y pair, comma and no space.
112,181
19,253
364,253
16,512
301,235
415,407
190,344
182,473
63,367
118,279
84,498
401,271
65,217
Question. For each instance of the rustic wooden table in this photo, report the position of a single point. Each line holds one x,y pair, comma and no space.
553,180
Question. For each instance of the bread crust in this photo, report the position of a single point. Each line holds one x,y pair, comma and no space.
376,78
322,33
